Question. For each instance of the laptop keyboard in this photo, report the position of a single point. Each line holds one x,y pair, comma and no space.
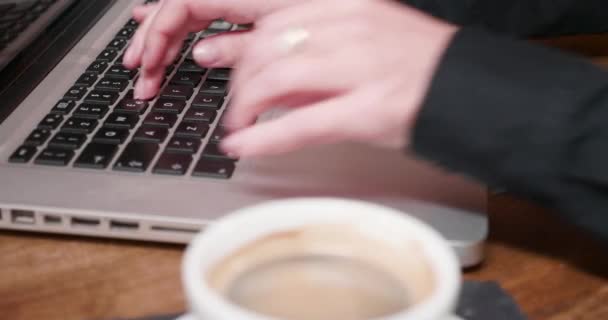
98,125
16,17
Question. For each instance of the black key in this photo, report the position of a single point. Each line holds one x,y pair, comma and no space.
132,23
55,157
112,84
51,121
200,115
190,79
23,155
111,136
169,105
168,70
191,66
212,150
92,111
79,125
218,134
102,97
177,92
205,100
63,107
70,141
166,120
173,164
117,44
107,55
119,71
214,169
76,93
125,33
98,67
220,74
136,157
192,130
132,106
121,121
96,156
87,80
183,145
37,138
214,87
151,134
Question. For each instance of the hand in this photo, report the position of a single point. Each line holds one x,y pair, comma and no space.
164,26
360,73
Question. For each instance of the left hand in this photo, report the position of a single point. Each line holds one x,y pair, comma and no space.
360,73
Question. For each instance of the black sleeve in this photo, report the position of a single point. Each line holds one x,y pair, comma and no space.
522,17
530,119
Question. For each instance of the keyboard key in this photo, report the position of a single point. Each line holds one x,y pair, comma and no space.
132,106
177,92
70,141
51,121
117,44
192,130
125,33
107,55
121,121
183,145
173,164
92,111
37,138
63,107
136,157
190,79
200,115
151,134
111,136
55,157
102,97
119,71
215,87
218,134
76,93
160,119
212,150
132,23
169,105
87,80
220,74
204,100
214,169
98,67
191,66
79,125
96,156
112,84
23,155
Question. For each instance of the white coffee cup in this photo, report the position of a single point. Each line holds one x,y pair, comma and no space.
247,225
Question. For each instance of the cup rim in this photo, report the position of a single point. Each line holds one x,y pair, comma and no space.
205,301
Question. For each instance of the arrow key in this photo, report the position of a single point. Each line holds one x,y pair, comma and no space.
173,164
96,156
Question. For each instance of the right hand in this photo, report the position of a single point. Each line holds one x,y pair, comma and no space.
164,26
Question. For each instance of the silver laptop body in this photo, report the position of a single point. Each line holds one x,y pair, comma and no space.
166,208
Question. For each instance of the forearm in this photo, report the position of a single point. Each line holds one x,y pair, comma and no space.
529,119
522,17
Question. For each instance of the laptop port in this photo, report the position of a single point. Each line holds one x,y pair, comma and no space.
123,225
23,217
52,220
173,229
85,222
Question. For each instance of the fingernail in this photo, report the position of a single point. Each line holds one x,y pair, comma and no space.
205,54
138,93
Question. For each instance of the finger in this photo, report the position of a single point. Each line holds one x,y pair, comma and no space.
316,124
133,54
222,50
140,13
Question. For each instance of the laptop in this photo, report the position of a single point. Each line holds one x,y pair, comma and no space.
80,156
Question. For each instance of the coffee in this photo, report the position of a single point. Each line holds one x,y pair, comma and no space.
323,272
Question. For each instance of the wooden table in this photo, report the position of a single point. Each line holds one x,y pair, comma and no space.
554,271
